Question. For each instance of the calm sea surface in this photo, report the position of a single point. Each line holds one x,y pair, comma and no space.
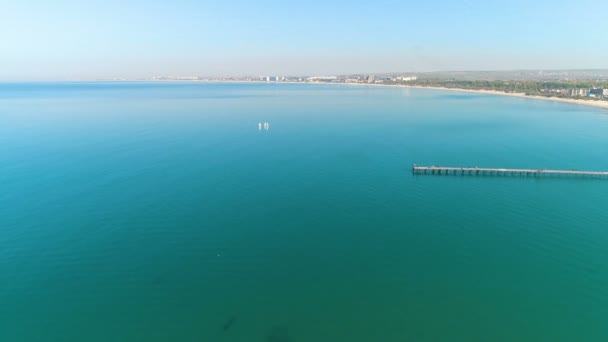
160,212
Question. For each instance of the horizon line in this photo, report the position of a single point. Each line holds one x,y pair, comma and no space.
149,78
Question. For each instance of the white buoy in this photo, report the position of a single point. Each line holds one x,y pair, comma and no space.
260,126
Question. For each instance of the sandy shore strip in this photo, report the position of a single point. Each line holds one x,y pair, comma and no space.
591,103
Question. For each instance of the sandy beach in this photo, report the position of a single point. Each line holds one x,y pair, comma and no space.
591,103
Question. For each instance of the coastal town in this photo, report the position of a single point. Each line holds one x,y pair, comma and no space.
580,85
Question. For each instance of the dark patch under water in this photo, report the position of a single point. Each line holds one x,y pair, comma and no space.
229,323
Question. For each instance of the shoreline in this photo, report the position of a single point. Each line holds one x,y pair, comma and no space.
589,103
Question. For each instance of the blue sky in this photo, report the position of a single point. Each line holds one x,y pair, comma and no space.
103,39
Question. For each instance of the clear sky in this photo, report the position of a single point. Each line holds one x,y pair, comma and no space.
65,39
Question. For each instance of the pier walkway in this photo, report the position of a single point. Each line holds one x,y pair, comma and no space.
444,170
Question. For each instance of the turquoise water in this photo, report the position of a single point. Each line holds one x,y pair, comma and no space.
159,212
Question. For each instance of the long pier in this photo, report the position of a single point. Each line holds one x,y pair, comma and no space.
478,171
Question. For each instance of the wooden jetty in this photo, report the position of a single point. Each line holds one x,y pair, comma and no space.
478,171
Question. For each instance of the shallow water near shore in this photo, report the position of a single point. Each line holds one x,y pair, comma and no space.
160,211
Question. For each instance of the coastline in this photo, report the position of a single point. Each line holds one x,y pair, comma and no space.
589,103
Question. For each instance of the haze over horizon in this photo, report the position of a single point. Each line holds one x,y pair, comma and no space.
108,39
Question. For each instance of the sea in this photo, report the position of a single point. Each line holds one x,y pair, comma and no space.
206,212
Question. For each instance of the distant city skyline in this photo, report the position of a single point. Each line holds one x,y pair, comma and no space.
71,40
